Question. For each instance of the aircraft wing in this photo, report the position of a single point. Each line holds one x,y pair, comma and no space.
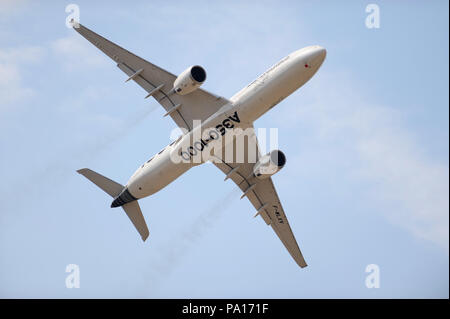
158,83
262,195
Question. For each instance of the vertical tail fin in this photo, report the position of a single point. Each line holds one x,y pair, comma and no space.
114,189
135,215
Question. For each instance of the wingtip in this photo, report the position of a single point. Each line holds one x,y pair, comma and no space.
75,24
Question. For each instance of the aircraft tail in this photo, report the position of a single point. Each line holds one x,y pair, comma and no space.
134,213
117,191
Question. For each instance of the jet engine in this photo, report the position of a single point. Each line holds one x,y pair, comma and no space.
269,164
190,80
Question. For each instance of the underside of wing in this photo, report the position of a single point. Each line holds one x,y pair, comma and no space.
262,195
184,109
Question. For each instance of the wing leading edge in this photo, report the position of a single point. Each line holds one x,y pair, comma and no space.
183,109
264,197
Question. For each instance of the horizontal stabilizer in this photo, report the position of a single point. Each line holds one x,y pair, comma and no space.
114,189
135,214
109,186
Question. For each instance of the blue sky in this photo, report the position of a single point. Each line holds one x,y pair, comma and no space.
366,182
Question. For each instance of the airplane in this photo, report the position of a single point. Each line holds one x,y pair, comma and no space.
206,120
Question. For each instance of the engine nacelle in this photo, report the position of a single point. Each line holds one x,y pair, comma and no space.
190,80
269,164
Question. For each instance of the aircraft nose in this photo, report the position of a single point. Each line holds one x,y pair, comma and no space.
322,53
319,55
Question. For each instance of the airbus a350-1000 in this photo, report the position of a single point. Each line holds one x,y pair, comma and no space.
207,120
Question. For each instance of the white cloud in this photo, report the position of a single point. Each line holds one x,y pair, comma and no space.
419,183
372,143
28,54
74,52
12,61
70,52
11,6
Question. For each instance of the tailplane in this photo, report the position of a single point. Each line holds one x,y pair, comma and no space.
107,185
114,189
135,215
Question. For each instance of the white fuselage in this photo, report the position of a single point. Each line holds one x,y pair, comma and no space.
244,108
